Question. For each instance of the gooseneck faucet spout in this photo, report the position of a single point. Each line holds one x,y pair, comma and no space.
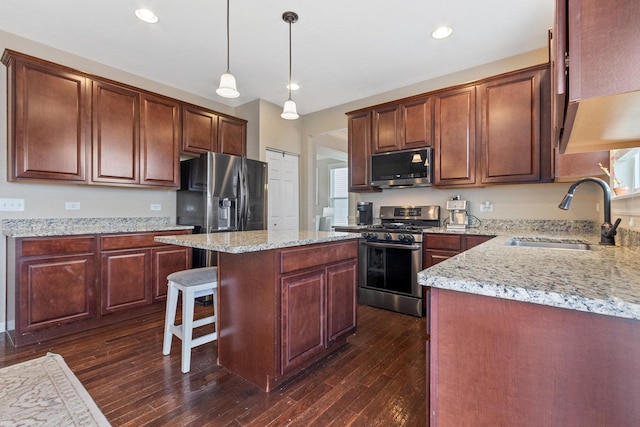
607,231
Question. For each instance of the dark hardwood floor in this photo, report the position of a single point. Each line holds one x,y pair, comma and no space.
376,379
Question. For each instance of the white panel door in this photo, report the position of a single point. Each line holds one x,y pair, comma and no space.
283,191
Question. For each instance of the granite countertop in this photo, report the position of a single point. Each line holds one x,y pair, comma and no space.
46,227
604,280
252,241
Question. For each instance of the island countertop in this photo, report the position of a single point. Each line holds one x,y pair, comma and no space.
604,280
258,240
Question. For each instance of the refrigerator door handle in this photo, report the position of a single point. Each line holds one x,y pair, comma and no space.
242,212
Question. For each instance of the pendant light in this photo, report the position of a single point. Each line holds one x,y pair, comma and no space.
289,111
227,88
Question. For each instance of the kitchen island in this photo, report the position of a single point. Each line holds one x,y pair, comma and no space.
286,299
525,336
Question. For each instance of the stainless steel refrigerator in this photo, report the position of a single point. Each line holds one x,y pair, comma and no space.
219,192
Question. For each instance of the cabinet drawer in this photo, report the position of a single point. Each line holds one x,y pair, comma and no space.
132,241
58,246
443,241
301,258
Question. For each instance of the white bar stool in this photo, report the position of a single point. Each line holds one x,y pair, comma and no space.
195,283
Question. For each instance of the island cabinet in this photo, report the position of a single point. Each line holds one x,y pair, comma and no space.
439,247
65,284
48,122
292,310
499,362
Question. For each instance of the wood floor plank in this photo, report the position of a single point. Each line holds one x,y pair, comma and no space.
377,378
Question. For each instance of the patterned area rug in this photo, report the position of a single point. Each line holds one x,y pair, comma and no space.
44,392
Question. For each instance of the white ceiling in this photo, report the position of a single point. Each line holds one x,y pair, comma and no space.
342,50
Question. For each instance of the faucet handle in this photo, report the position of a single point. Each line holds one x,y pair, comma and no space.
612,230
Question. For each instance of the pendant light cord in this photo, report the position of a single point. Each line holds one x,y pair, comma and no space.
289,59
227,36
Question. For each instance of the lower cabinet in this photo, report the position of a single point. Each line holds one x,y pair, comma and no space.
60,285
439,247
280,310
318,307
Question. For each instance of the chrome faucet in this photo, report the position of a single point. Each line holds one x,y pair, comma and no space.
607,231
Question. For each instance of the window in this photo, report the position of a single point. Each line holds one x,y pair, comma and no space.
625,165
339,194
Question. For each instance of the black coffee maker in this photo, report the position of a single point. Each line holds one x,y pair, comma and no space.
365,213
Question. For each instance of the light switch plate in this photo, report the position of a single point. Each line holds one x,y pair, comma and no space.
72,206
155,206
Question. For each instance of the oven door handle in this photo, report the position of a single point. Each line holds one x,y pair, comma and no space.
392,246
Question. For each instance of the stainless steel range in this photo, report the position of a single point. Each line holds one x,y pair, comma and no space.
390,257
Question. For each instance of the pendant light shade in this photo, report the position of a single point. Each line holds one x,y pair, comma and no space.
227,88
289,112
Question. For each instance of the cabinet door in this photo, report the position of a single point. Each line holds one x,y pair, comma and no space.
473,241
432,257
116,141
48,123
303,318
125,280
511,122
55,291
386,129
359,146
341,299
159,141
417,120
167,260
232,136
199,130
455,137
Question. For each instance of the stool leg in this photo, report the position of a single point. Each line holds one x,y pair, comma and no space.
169,317
187,328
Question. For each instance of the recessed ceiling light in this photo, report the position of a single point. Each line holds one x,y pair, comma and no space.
294,86
146,15
442,32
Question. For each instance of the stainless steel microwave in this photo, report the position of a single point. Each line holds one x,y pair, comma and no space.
397,169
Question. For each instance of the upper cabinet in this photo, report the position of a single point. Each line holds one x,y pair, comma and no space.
596,80
199,130
402,126
232,136
116,134
359,151
493,131
205,130
48,122
159,141
68,126
455,137
514,128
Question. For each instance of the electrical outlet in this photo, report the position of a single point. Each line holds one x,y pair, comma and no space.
155,206
72,206
486,207
14,205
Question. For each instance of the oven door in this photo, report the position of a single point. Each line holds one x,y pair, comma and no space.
389,276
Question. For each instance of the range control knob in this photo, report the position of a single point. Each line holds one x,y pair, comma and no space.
387,236
407,238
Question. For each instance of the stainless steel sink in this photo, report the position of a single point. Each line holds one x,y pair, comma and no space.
579,245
